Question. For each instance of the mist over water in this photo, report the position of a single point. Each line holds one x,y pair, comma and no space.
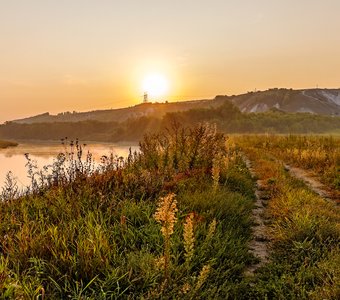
14,160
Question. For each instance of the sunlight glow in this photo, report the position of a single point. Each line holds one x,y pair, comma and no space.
155,85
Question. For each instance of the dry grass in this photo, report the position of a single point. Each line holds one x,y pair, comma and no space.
304,228
95,234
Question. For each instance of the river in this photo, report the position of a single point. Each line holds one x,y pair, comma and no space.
13,159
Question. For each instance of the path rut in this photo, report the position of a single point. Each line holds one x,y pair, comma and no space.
312,182
259,243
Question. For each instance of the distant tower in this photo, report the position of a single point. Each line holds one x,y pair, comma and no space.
145,98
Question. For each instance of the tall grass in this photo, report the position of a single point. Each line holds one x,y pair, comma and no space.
85,233
304,230
169,222
320,154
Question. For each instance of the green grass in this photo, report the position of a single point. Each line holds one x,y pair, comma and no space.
95,236
84,234
305,234
63,245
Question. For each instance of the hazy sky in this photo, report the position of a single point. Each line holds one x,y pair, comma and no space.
59,55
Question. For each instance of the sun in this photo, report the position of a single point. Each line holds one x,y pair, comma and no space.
155,85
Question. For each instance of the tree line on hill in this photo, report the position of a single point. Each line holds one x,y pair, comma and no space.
227,117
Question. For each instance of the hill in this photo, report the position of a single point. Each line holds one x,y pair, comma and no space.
227,117
315,101
118,115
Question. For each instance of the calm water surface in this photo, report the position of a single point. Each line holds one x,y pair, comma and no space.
13,159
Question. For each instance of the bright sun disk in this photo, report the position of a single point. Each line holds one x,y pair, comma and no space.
155,85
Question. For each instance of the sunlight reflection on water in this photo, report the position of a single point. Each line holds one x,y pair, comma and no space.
13,159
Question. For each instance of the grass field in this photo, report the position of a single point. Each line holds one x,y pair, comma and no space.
173,221
304,228
318,154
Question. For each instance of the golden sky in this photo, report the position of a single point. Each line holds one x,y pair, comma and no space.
65,55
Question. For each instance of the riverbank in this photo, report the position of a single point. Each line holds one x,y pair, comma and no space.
172,220
13,159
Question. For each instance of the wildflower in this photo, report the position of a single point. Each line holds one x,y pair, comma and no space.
216,172
188,235
186,288
160,262
202,277
165,214
211,230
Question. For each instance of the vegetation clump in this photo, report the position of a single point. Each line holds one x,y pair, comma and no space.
84,232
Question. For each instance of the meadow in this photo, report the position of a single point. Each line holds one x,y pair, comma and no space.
172,221
303,228
318,154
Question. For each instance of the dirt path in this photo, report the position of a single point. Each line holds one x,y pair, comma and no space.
259,243
312,182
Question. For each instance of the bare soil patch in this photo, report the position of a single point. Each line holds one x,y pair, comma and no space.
313,182
259,243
